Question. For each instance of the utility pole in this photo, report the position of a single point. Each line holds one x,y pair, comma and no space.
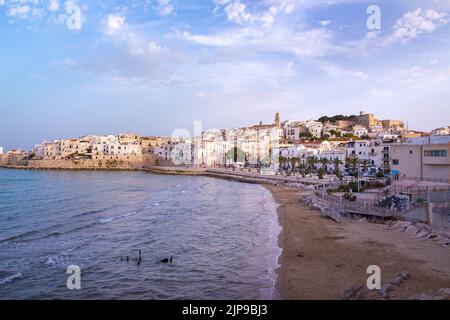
359,177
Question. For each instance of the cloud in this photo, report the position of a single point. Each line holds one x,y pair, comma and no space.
237,11
311,43
19,11
53,5
415,23
114,24
416,77
325,22
338,72
165,7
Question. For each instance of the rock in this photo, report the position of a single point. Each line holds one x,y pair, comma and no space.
440,239
412,229
422,234
445,291
354,292
423,296
399,279
387,288
432,236
402,225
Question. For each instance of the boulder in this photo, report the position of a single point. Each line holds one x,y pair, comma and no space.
423,296
399,279
422,234
445,291
412,230
402,225
354,293
387,288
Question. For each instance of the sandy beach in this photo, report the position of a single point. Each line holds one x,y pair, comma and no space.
321,258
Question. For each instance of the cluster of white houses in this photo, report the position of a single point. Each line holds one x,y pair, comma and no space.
384,144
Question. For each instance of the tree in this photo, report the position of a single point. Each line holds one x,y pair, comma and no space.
337,164
282,162
294,161
365,165
324,162
351,163
306,135
312,164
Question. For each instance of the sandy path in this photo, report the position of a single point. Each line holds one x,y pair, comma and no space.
322,258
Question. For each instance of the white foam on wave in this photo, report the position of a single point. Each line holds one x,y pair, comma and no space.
11,278
50,261
271,206
107,220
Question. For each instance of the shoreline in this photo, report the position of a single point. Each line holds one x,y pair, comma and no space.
322,259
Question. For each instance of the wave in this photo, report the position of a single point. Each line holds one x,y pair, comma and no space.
19,236
11,278
107,220
93,212
50,261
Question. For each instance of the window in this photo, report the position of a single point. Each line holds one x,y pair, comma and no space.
435,153
395,162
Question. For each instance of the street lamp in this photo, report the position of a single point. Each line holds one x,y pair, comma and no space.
359,176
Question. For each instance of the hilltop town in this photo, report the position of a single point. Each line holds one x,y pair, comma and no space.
326,146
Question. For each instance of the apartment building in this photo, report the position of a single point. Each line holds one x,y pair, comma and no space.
367,150
422,159
52,150
70,147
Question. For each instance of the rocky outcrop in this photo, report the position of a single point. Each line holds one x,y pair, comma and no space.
423,232
362,293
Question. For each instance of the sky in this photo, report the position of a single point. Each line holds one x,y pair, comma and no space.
77,67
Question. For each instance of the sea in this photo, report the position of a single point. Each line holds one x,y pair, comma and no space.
222,237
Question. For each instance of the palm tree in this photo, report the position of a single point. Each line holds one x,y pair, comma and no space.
324,162
352,164
294,161
365,165
312,164
337,164
281,162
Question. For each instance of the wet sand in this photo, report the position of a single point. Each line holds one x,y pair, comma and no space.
321,258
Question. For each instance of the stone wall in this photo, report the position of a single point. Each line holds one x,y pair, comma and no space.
99,163
4,159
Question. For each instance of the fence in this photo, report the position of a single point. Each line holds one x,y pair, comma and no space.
419,179
358,207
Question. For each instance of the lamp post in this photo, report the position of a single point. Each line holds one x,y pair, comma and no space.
359,176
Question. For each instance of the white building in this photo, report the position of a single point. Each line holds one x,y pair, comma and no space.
52,150
113,145
360,131
315,128
330,129
1,150
445,131
367,150
38,151
70,147
292,133
333,155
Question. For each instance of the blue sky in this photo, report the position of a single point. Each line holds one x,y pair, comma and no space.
154,66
